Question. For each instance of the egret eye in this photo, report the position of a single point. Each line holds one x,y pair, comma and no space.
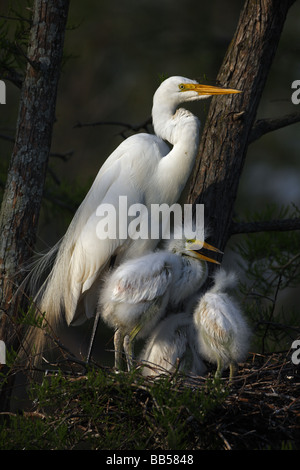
181,87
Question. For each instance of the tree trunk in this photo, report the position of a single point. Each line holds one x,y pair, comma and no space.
24,187
230,119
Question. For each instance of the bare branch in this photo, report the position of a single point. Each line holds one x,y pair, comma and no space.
17,18
132,127
286,265
7,137
59,202
263,126
63,156
12,76
283,225
102,123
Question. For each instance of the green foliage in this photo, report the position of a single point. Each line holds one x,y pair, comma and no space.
271,264
103,410
31,317
14,35
287,445
174,407
60,197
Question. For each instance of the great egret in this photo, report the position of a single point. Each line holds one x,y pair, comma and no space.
173,339
222,332
136,294
144,169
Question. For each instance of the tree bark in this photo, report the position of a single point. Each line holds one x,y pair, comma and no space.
25,182
230,118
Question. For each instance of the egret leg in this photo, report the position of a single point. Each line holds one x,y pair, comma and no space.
118,344
219,370
128,345
128,349
233,369
95,326
129,339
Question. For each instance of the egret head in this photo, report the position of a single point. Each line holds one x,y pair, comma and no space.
180,90
191,247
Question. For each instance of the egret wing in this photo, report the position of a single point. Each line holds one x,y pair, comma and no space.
84,255
140,280
124,174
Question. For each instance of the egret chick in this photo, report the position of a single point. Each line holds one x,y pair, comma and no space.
222,332
136,294
173,344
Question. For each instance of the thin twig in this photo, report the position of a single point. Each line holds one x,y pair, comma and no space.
263,126
16,18
132,127
290,261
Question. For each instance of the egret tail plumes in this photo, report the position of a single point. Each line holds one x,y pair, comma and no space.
39,327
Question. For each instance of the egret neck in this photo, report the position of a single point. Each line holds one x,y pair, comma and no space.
180,128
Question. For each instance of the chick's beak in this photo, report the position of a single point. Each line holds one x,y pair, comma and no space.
204,258
198,245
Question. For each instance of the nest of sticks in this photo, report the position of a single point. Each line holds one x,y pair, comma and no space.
262,409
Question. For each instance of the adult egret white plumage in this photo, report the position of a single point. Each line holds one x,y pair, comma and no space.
173,339
144,169
222,332
136,294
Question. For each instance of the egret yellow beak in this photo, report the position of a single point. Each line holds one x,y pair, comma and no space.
208,89
197,244
204,258
209,247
